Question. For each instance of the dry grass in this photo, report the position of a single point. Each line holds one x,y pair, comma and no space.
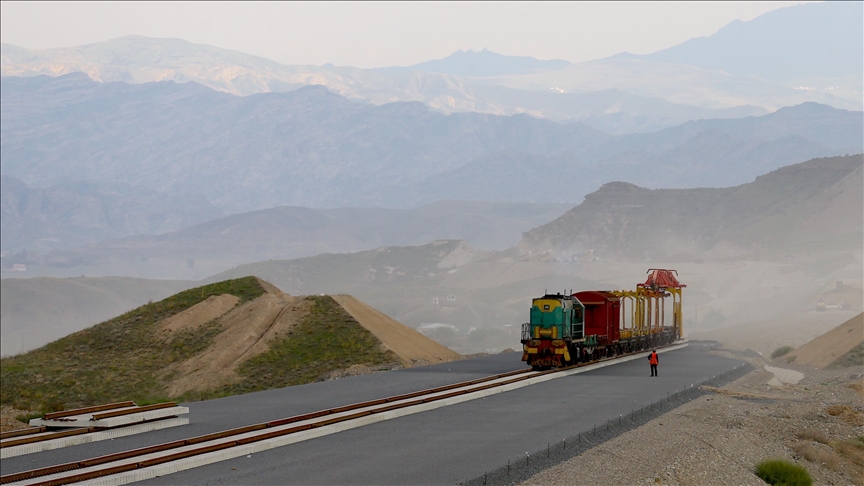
852,449
813,448
814,435
817,454
846,413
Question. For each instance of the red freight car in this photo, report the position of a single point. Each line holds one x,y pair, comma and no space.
602,315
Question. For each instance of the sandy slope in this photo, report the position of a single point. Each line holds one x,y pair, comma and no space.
830,346
247,331
413,348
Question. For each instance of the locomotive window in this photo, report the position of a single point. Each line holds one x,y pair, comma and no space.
577,314
545,306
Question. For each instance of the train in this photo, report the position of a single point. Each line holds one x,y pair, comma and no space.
565,329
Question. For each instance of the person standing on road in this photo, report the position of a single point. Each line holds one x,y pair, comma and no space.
653,361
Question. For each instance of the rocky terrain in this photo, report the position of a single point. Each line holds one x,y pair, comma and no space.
718,438
812,205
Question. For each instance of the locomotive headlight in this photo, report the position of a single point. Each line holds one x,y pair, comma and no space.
558,343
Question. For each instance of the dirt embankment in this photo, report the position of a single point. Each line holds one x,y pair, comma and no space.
199,314
413,348
829,347
248,329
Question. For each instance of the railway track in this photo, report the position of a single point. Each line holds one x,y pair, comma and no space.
90,424
42,434
240,441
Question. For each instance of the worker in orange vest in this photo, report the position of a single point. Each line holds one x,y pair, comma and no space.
653,361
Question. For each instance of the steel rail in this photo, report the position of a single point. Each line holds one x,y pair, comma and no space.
46,435
382,405
81,411
130,411
20,432
30,439
29,436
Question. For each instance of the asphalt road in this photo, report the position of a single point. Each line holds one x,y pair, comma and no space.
442,446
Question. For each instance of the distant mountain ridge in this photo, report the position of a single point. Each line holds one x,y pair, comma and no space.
314,148
483,63
783,58
69,215
786,44
291,232
137,59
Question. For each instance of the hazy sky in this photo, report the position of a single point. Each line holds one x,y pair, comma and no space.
374,34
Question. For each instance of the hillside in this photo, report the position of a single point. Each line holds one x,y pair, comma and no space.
311,147
225,338
834,348
815,204
291,232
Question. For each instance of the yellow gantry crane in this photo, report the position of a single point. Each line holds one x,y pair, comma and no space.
647,305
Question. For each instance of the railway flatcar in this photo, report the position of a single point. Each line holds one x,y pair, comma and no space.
571,328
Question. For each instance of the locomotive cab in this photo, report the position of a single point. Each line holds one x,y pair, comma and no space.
556,321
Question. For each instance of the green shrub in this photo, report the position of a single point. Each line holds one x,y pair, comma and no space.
783,473
781,351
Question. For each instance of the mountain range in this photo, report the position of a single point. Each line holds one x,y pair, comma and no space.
484,63
136,59
785,57
311,147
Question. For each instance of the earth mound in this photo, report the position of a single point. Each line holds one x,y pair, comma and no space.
230,337
412,347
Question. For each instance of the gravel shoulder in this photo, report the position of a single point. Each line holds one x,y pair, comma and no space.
718,438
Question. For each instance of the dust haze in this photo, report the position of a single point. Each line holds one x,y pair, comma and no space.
446,192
